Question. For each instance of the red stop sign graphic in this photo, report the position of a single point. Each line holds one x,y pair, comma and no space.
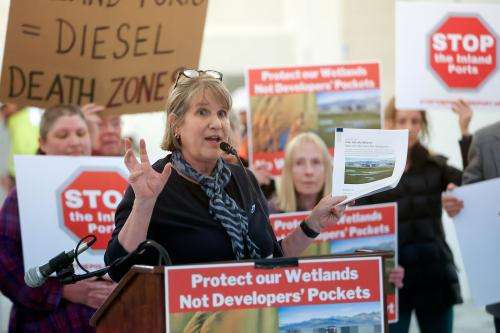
463,51
88,203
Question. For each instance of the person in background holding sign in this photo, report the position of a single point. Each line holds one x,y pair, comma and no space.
105,131
197,206
431,285
483,164
52,307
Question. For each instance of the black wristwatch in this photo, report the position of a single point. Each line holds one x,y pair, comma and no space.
307,230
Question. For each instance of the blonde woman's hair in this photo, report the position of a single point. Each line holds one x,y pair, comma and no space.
286,196
179,100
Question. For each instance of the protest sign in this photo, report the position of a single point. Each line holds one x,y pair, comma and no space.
74,197
316,295
285,101
368,228
478,226
446,52
123,55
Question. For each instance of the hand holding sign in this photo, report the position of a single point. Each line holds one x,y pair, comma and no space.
464,113
145,181
91,112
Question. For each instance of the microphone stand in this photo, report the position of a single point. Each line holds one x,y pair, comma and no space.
68,276
73,278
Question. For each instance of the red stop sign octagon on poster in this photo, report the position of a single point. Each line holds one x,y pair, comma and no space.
463,51
88,202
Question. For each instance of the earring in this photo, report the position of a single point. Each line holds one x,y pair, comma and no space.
177,137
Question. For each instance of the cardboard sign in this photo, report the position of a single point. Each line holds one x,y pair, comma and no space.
286,101
75,197
446,52
121,54
370,227
318,294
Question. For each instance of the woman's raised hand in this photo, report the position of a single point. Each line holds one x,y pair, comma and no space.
464,112
145,181
326,213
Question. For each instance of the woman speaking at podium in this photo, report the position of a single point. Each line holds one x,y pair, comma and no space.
197,206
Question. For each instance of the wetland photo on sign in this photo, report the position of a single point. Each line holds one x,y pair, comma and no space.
367,170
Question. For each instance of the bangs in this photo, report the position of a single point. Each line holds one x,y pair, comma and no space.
217,91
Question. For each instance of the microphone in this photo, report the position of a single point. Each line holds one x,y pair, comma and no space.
36,276
228,149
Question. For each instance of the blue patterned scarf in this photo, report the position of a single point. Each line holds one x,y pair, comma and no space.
221,206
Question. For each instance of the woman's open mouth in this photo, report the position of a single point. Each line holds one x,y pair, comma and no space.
213,139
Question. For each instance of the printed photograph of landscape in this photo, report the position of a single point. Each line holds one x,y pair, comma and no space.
374,243
334,318
366,170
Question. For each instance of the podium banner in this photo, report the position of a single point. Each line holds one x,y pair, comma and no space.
317,295
369,228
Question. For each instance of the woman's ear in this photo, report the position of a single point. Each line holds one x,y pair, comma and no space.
41,144
172,122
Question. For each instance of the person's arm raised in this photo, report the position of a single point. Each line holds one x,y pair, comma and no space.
464,112
147,184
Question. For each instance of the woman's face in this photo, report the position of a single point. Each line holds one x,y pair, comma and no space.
68,135
204,127
308,169
109,141
411,120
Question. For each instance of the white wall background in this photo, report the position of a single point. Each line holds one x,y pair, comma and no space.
243,33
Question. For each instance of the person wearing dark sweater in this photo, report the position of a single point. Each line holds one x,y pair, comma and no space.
187,207
199,207
430,286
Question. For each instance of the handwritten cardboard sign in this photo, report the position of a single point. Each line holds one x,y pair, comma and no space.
122,54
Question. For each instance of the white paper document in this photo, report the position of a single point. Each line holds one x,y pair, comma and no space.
367,161
478,233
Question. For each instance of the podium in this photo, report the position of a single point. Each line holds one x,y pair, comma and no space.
136,305
139,302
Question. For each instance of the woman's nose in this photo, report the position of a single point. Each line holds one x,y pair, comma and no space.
309,168
74,140
215,122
